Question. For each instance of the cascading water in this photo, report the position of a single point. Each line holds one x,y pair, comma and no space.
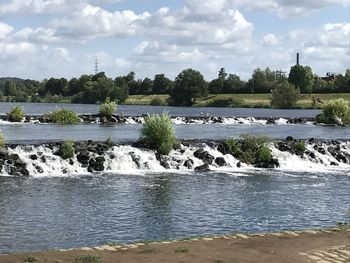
43,160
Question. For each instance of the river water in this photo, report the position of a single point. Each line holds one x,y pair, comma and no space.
66,210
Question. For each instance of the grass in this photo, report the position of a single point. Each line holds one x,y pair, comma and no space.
150,250
181,250
247,100
30,259
88,259
64,116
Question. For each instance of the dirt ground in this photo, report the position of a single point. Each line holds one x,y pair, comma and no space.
308,247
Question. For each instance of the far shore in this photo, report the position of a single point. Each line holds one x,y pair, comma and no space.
307,246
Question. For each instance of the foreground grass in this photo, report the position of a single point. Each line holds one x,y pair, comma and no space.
248,100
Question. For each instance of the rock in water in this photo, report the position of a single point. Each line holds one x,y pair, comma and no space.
338,120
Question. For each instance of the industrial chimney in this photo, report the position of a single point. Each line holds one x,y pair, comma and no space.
298,58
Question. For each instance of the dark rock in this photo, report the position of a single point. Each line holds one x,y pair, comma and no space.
239,164
220,161
289,138
222,147
321,150
34,157
202,168
204,156
97,164
3,153
269,164
334,164
71,162
341,158
83,157
136,159
270,121
188,164
311,155
284,147
39,169
43,159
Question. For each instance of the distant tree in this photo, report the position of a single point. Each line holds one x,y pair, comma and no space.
10,88
233,84
222,74
189,86
285,95
262,81
216,86
301,77
161,84
146,86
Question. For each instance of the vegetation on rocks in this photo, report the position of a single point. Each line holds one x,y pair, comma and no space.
64,116
2,140
299,147
250,149
16,114
158,133
67,149
107,108
335,112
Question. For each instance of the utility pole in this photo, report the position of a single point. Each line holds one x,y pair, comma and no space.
96,66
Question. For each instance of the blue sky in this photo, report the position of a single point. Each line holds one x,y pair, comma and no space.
62,38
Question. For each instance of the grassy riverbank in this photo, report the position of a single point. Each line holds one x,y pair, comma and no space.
245,100
330,245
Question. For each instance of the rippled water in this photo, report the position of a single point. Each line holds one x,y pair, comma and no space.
63,212
18,133
130,110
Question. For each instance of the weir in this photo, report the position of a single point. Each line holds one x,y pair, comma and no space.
93,157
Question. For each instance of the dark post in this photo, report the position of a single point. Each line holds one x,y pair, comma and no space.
298,59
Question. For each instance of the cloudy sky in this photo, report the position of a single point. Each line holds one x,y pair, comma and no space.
62,38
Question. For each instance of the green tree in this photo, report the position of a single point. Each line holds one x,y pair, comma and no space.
161,84
189,86
301,77
10,88
285,95
146,86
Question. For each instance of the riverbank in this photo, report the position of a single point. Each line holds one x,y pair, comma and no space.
243,100
322,246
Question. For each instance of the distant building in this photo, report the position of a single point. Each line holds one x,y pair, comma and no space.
330,76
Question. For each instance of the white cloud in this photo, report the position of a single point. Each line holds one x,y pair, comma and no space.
5,29
37,6
270,39
94,21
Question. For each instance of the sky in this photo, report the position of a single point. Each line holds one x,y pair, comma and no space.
63,38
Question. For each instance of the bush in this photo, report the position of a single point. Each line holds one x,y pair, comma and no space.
285,96
2,140
335,108
263,154
299,147
16,114
156,102
64,116
226,102
108,108
158,133
67,150
89,259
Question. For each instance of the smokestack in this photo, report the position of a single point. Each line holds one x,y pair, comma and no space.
298,58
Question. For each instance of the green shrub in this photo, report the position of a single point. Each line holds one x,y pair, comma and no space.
67,149
2,140
64,116
226,102
30,259
108,108
299,147
157,102
247,149
88,259
335,108
158,133
285,96
16,114
263,154
320,118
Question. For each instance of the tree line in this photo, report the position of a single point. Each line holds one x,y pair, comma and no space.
187,87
